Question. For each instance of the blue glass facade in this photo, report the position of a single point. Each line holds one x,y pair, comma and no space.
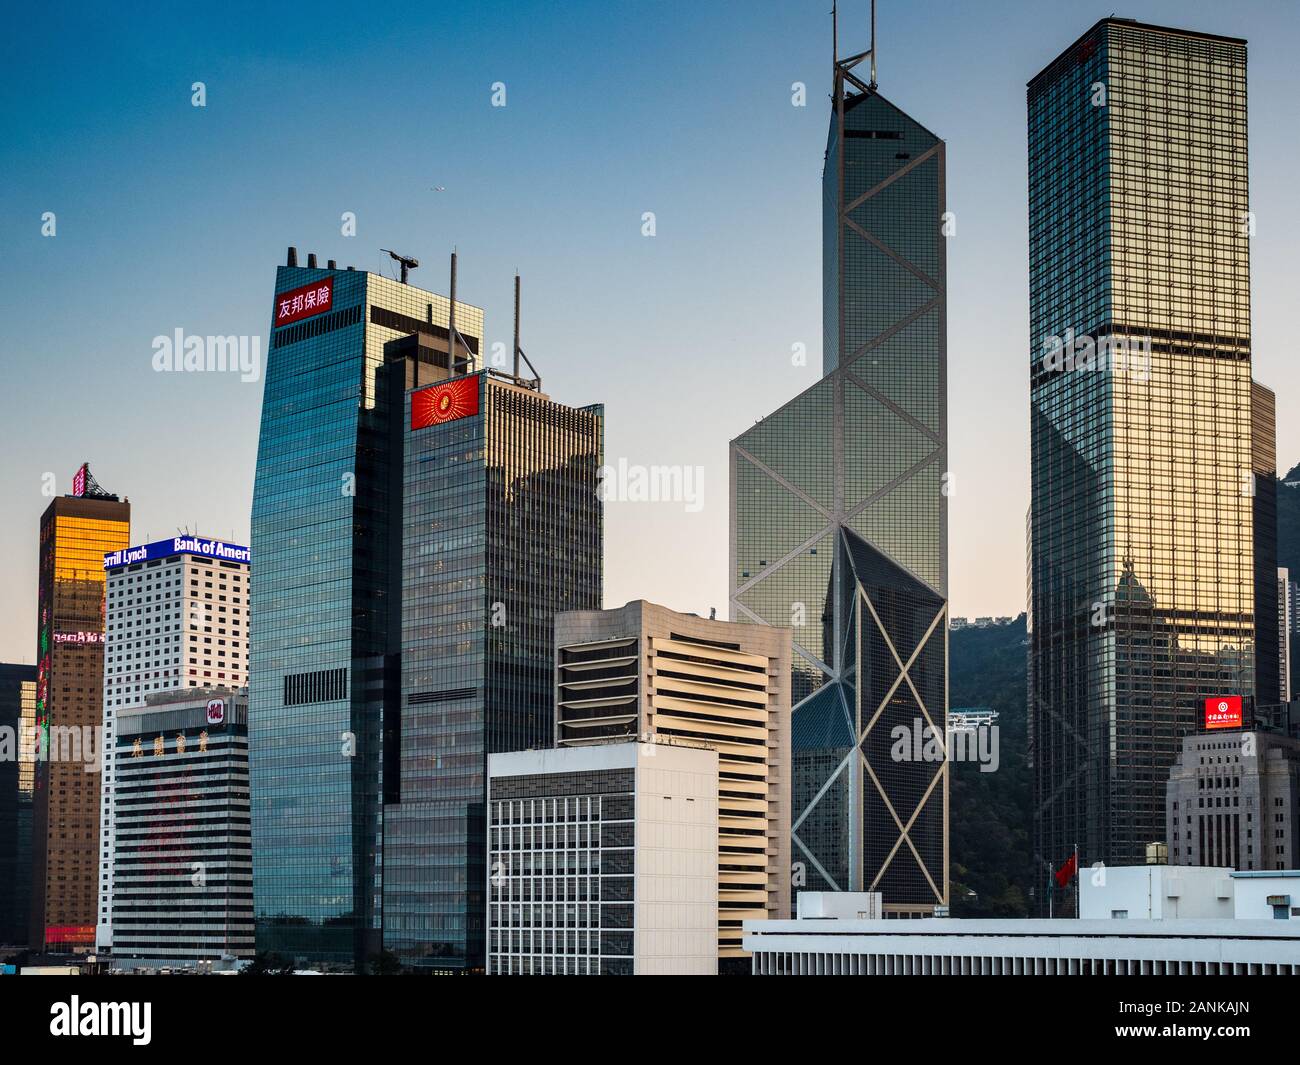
501,531
322,635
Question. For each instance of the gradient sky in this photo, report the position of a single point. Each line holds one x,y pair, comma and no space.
170,216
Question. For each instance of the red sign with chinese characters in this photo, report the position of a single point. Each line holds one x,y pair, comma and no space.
216,711
445,402
79,934
298,303
79,481
1223,711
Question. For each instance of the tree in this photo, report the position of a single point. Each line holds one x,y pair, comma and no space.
385,963
268,963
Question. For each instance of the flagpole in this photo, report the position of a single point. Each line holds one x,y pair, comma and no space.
1078,884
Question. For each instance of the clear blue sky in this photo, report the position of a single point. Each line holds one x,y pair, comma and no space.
173,217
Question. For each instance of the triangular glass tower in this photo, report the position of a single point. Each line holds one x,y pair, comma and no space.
839,521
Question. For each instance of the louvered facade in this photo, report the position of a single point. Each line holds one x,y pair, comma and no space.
648,672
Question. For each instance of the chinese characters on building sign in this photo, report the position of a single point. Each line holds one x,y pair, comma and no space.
1223,711
78,637
80,934
79,481
303,302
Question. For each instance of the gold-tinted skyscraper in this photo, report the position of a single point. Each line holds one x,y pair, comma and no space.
76,532
1141,558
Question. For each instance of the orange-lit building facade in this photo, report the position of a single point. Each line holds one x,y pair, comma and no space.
76,532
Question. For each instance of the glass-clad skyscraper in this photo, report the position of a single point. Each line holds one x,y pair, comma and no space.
1141,559
418,525
501,531
324,627
839,521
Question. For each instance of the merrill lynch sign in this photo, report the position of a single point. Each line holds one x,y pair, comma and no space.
178,545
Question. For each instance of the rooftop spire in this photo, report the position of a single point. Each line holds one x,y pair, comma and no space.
844,68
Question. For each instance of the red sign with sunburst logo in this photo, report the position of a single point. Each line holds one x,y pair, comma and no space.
445,402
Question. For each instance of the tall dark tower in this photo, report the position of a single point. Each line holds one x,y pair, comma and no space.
501,531
418,523
839,518
323,636
1142,560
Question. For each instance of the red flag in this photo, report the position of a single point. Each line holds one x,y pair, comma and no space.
1066,873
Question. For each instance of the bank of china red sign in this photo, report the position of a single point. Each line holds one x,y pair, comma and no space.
1223,711
445,402
303,302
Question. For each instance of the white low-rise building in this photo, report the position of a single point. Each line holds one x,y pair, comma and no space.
1266,895
1064,947
1145,919
1155,892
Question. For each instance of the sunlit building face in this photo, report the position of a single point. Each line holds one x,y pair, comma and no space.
1142,590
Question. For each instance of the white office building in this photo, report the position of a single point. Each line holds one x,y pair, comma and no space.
176,618
603,860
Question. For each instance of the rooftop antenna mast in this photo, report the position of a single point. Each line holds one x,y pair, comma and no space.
451,317
519,351
844,67
408,264
455,341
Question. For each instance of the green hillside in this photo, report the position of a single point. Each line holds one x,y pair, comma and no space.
990,813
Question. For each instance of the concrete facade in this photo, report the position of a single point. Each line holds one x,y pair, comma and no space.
650,672
1155,892
1233,799
1066,947
1266,896
603,860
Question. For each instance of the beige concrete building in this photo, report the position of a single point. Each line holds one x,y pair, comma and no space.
602,861
644,671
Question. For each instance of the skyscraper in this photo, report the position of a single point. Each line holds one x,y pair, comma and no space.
1141,556
839,518
501,531
1263,488
17,775
176,618
322,646
418,524
76,532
